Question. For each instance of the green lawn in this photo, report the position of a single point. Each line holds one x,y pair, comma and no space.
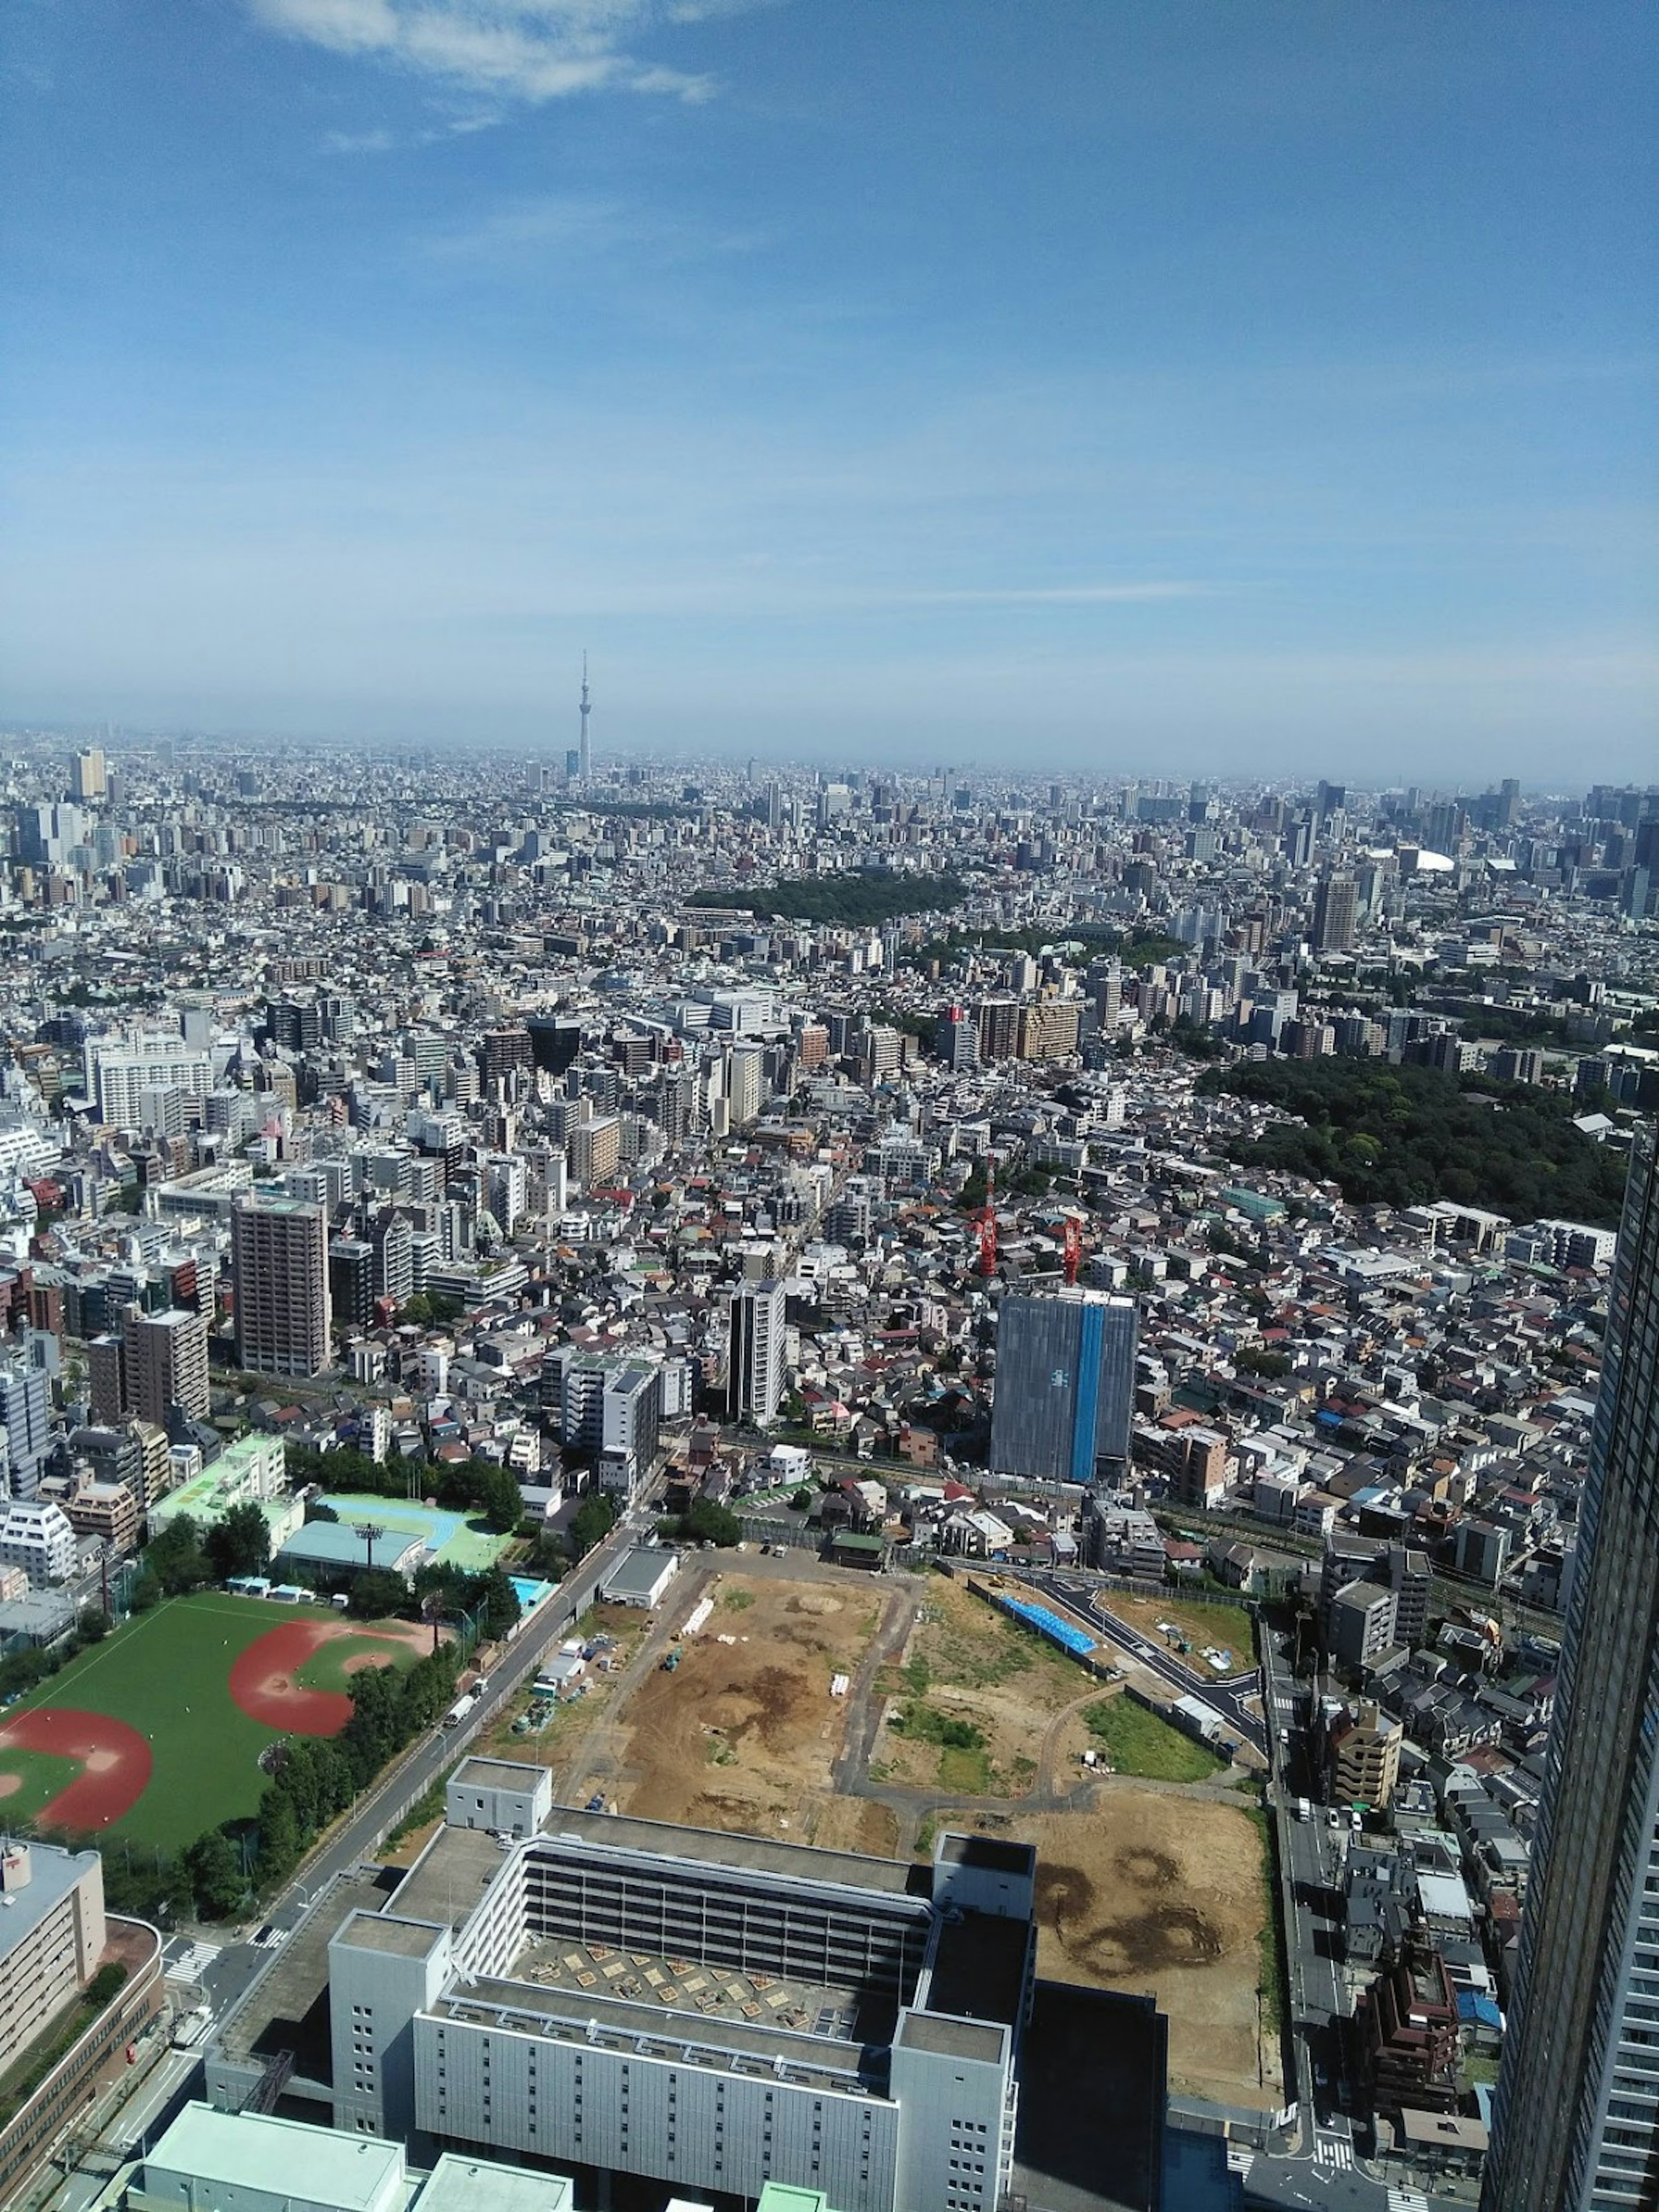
1136,1741
166,1673
331,1667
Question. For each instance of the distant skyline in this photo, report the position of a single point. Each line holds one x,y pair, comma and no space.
1126,387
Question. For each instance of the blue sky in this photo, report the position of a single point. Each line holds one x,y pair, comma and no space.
1145,385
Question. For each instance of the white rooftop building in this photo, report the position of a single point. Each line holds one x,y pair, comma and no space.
37,1539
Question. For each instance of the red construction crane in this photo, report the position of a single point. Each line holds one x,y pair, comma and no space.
985,1221
1073,1248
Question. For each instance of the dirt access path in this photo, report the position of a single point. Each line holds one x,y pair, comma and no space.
745,1735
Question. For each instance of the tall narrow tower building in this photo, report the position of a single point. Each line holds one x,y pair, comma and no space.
1577,2114
586,710
279,1261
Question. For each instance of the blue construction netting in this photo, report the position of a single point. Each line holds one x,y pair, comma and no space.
1050,1624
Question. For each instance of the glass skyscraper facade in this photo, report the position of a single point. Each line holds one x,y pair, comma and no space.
1577,2112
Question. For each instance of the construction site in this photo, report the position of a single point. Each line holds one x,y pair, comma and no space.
786,1699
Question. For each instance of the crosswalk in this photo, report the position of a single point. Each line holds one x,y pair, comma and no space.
188,1962
1240,2158
1408,2199
1334,2151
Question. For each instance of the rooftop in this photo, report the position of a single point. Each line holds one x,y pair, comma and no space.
639,1572
382,1931
647,2030
458,2183
229,2151
445,1882
53,1873
753,1854
980,1967
952,2039
701,1992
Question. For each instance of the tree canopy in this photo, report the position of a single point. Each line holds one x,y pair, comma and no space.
863,895
240,1542
1406,1136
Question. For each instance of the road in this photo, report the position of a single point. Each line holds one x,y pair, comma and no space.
1090,1598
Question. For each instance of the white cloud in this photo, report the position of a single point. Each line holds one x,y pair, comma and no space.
1061,595
359,142
527,50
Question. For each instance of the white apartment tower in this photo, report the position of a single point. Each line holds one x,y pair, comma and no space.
755,1363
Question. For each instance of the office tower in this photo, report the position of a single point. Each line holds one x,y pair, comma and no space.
611,1413
165,1364
279,1266
1297,843
1333,798
1048,1029
1578,2113
593,1149
1107,983
26,1418
1065,1385
554,1042
755,1363
91,778
1336,905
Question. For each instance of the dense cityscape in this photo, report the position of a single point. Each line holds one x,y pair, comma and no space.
1014,1362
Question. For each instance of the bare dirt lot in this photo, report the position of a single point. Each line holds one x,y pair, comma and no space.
966,1661
1165,1893
744,1734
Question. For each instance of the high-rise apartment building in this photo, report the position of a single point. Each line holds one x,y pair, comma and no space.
1048,1029
745,1082
956,1039
122,1071
1336,909
279,1265
165,1364
26,1418
1577,2115
90,774
1065,1385
755,1366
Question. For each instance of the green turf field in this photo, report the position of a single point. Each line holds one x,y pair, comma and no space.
41,1775
166,1673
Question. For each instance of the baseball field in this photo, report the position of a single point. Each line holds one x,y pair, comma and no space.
155,1735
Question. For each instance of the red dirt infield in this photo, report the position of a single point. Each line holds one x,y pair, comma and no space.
264,1684
115,1763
